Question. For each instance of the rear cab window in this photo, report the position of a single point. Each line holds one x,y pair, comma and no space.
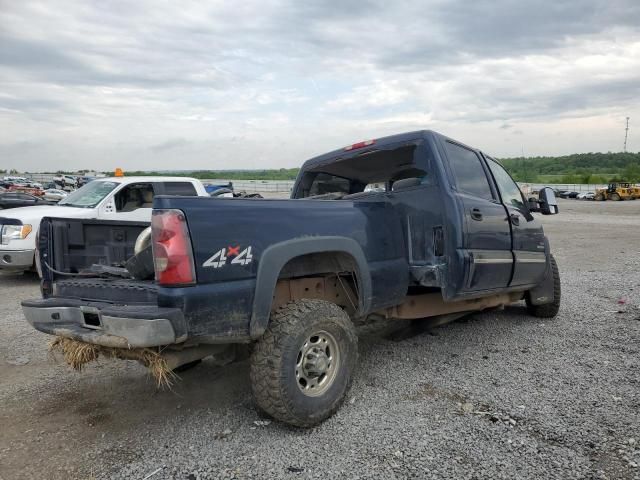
366,174
182,189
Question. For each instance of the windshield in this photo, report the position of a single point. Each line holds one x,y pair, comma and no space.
90,195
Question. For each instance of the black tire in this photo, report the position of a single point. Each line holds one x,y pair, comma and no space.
277,356
615,197
548,310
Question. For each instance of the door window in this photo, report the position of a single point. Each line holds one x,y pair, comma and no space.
468,171
134,196
509,191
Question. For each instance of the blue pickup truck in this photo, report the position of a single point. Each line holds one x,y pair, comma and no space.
409,226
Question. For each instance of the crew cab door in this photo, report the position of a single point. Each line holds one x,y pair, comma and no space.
528,244
486,240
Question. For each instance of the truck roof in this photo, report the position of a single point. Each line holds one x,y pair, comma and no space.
346,152
147,178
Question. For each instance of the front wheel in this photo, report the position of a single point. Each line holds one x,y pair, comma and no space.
615,197
301,368
548,310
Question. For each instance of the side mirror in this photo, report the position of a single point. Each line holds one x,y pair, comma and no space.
548,203
109,206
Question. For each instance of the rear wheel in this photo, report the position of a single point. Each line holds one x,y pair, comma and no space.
301,368
548,310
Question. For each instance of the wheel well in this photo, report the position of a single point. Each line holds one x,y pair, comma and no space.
331,276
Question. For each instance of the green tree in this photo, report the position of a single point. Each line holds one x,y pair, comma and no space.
632,172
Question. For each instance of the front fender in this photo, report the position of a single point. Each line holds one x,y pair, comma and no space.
542,293
275,257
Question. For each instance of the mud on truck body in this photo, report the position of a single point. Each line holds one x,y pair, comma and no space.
450,232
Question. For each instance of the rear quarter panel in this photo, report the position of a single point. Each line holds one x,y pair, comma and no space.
237,224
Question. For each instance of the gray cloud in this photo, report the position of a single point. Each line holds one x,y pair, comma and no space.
144,81
169,145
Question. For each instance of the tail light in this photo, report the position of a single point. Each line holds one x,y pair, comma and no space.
172,253
355,146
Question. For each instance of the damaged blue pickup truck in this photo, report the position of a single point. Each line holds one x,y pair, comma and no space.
409,226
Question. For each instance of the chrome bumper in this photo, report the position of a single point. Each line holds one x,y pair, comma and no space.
102,324
16,259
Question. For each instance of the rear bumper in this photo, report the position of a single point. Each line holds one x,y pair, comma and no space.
16,259
105,324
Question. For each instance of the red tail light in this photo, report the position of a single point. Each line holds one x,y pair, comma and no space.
355,146
172,253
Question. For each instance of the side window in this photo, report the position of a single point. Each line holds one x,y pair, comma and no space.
182,189
134,196
467,168
509,190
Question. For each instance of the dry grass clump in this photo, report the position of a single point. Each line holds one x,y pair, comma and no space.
76,354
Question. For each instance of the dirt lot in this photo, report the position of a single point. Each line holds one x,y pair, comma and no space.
496,395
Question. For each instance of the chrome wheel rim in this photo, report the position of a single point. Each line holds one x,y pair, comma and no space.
317,363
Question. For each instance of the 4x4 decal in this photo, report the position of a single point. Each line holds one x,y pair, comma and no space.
219,259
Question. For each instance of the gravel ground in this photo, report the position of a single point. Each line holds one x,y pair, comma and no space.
495,395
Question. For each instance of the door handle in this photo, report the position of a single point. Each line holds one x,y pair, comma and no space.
476,214
515,219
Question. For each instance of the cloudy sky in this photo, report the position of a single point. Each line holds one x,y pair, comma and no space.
263,84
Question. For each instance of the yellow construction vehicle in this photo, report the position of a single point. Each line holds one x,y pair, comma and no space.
618,191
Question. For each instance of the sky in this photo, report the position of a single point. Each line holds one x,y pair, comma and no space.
267,84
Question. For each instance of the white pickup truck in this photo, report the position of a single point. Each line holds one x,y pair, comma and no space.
117,198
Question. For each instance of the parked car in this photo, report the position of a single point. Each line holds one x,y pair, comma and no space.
84,180
586,196
54,195
66,182
36,192
221,192
450,233
14,179
11,199
212,189
119,198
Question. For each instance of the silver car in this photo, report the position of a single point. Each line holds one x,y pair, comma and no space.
54,195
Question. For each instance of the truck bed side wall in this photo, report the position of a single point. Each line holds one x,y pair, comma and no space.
224,295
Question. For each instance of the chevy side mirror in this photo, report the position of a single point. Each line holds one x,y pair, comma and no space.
547,201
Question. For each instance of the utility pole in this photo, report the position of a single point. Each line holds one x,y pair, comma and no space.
626,134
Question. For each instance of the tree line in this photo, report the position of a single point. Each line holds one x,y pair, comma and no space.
576,168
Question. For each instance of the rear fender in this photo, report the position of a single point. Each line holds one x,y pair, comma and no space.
274,258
